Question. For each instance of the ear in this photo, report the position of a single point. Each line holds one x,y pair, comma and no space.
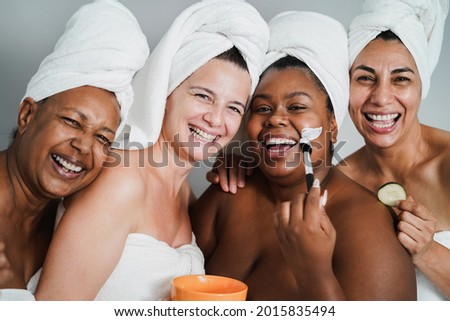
333,129
27,110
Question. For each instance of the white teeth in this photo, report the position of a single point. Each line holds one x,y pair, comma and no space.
384,125
280,141
385,117
200,134
67,166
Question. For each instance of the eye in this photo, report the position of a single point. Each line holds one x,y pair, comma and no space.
365,79
204,97
401,79
296,108
104,140
238,110
71,122
263,109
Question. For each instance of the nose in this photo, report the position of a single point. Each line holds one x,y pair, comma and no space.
214,116
83,142
276,119
381,94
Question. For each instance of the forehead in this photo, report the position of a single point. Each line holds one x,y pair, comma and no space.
290,78
385,52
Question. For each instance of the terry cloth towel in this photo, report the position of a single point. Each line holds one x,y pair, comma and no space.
418,23
321,43
145,269
200,33
103,46
426,291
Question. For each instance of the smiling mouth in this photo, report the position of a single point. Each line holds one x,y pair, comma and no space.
279,144
66,165
382,121
202,135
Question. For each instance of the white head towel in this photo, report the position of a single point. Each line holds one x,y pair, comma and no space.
102,46
418,23
200,33
321,43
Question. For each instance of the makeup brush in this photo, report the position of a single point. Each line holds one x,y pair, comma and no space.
308,134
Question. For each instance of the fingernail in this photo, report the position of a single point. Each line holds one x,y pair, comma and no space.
324,198
316,183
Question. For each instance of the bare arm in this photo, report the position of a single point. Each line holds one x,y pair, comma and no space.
203,215
88,241
416,230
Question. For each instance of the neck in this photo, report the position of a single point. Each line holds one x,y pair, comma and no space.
17,198
397,160
168,165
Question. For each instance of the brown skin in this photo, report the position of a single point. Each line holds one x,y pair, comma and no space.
248,235
77,125
412,154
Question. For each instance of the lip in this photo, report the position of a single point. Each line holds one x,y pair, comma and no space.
202,135
285,145
382,123
62,171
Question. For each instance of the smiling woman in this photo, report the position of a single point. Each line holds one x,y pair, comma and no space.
394,48
68,136
67,120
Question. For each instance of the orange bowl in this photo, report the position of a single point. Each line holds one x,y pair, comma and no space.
207,288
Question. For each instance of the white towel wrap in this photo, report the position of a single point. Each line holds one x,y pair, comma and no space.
319,41
418,23
200,33
102,46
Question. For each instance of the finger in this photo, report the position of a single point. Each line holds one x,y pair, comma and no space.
313,207
420,233
409,205
414,220
406,241
223,179
242,173
233,178
212,177
284,215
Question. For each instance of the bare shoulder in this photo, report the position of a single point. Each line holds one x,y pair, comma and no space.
215,199
112,192
353,165
356,202
367,249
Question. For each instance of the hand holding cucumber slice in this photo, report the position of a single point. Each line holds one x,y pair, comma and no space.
391,193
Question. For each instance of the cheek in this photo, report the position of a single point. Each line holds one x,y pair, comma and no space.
100,155
253,128
232,123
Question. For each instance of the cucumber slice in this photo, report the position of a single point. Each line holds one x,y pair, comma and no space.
390,193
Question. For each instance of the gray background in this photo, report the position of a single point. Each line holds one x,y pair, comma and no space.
29,30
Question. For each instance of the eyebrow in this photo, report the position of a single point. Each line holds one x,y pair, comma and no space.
209,91
290,95
395,71
85,118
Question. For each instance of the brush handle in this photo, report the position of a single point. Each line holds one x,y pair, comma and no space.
306,149
309,181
